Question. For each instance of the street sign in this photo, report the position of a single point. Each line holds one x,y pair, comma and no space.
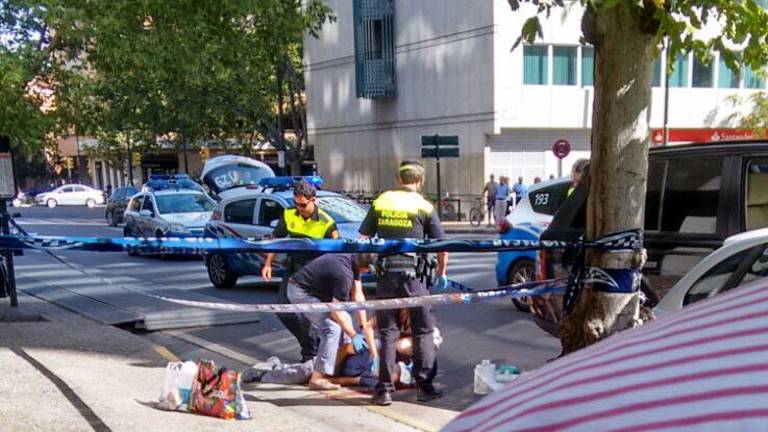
7,179
439,147
439,140
434,152
561,148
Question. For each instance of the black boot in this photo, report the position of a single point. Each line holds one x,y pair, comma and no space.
382,398
428,392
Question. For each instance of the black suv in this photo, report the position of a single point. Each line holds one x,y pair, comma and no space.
117,203
697,196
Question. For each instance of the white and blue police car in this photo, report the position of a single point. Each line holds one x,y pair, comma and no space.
168,206
532,215
253,211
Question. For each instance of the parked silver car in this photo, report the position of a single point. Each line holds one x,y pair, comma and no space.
71,195
168,213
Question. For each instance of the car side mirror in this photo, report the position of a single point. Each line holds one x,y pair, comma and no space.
273,224
146,213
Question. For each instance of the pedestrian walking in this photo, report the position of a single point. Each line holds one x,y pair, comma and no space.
304,220
536,180
489,190
333,278
576,172
502,195
404,213
520,189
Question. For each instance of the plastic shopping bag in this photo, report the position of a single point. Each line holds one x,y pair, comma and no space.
177,385
217,393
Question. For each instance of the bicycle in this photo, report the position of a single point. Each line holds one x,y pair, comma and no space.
478,212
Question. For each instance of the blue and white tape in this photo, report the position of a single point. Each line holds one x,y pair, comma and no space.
527,289
628,240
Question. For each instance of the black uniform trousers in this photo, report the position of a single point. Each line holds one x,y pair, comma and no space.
391,285
296,323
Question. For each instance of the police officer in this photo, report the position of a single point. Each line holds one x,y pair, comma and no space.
404,213
305,220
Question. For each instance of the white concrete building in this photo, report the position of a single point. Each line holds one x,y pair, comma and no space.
446,67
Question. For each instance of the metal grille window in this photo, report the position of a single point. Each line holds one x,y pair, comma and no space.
375,48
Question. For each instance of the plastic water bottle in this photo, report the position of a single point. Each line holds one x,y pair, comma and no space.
185,379
485,377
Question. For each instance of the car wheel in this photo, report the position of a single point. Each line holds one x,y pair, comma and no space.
219,272
524,270
90,203
51,203
111,221
127,233
158,235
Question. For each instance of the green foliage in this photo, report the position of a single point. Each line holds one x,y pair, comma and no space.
182,70
757,119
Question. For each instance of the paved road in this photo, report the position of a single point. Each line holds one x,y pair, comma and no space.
492,330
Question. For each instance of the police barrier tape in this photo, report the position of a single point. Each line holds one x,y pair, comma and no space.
552,286
626,240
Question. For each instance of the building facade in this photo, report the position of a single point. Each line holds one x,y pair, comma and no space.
388,72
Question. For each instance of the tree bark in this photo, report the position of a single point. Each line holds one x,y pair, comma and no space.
619,164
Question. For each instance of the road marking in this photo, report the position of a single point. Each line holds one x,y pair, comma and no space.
165,353
212,346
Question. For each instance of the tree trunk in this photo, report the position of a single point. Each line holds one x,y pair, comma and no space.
624,49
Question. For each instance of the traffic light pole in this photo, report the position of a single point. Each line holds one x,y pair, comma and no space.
130,160
10,273
439,188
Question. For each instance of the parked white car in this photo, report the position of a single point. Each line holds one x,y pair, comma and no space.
71,195
742,259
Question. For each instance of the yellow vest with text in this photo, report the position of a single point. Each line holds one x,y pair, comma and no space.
299,227
401,214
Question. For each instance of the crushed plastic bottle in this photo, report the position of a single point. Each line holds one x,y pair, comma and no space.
485,377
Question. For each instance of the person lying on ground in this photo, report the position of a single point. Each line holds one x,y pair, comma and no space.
333,278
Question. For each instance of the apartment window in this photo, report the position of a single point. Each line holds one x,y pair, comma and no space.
726,77
535,64
679,75
657,72
753,79
564,65
702,73
587,66
375,48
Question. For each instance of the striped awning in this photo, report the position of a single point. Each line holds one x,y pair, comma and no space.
704,368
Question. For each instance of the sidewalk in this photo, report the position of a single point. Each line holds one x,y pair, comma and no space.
68,373
466,228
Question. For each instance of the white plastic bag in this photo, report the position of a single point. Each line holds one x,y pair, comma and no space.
170,398
177,385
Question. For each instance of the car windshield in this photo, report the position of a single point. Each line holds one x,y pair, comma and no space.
229,176
342,209
183,203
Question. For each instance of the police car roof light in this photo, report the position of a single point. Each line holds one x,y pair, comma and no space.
158,182
286,182
169,177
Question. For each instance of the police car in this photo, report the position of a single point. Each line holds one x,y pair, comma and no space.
225,173
253,211
526,222
168,206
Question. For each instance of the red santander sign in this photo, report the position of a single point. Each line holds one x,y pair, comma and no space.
701,135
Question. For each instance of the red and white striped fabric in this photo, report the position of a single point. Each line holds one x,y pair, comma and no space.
704,368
